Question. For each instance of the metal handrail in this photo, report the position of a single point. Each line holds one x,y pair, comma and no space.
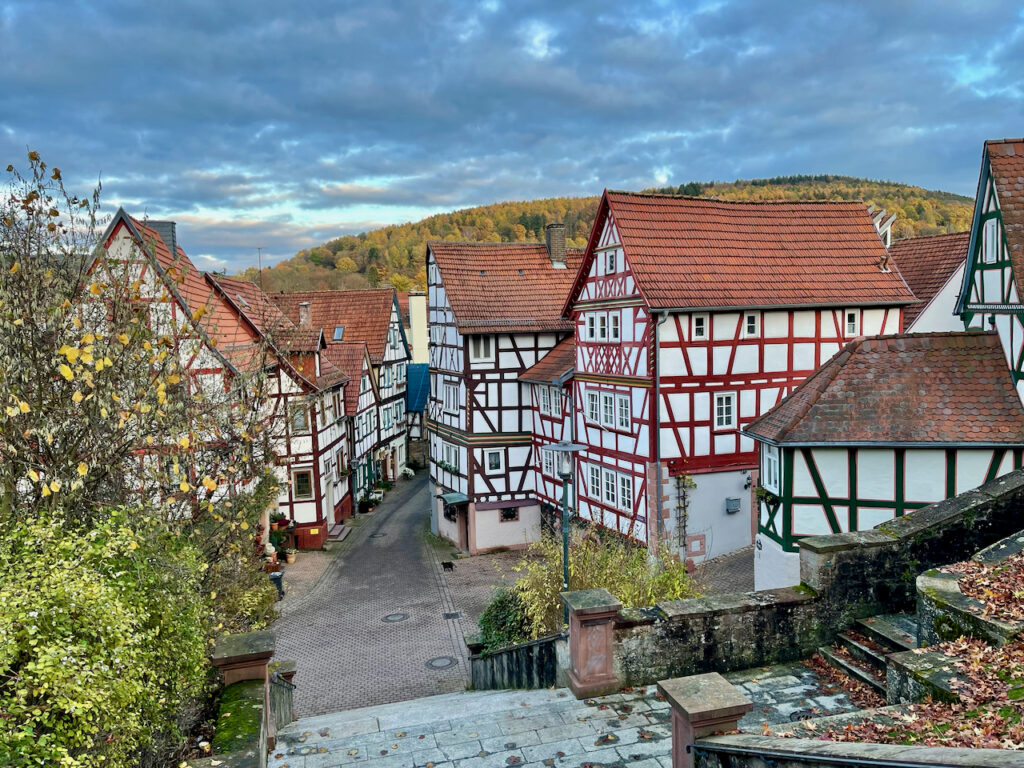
277,679
771,757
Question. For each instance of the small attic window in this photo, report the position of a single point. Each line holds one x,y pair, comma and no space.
339,331
483,271
242,301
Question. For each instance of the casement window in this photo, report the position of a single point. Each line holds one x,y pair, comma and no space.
851,322
607,409
451,398
699,327
751,325
625,492
990,242
595,482
545,400
725,410
322,407
494,462
338,464
547,460
770,468
364,383
339,409
401,372
387,418
556,401
623,418
393,336
339,332
451,455
602,326
614,333
593,408
509,515
481,349
298,416
302,484
591,320
611,483
609,264
399,410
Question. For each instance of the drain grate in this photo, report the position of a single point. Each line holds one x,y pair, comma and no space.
441,662
394,618
452,615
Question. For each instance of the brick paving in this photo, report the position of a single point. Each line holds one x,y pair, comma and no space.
347,656
473,580
726,574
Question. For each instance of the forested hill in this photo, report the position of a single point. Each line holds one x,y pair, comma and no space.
395,254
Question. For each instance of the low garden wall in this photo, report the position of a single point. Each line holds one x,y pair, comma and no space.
845,577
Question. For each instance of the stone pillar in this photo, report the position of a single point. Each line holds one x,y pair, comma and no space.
701,705
243,657
592,615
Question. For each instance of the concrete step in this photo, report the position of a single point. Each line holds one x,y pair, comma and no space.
863,649
895,631
861,671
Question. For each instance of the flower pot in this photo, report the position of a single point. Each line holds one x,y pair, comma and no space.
289,558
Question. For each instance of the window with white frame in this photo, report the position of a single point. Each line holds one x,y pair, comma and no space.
547,460
338,464
595,482
851,322
770,468
401,372
481,349
990,242
556,401
609,264
614,333
591,320
623,418
602,326
607,409
593,407
611,483
625,492
451,397
451,456
699,327
339,408
494,461
545,400
387,417
751,325
339,332
725,410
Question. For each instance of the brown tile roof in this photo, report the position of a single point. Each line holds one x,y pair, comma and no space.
1006,159
908,388
365,315
557,365
926,264
694,252
348,357
505,287
403,306
253,304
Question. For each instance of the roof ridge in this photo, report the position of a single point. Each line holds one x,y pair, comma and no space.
1003,141
329,290
670,196
930,237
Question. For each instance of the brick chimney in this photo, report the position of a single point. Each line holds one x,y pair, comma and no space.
305,315
554,234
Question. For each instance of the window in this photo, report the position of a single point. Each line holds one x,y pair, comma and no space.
699,327
387,418
322,404
393,337
401,372
613,326
593,408
625,492
770,468
451,398
545,400
339,332
602,327
339,409
509,515
725,410
990,242
595,482
494,461
610,487
298,415
481,349
609,262
451,456
751,325
851,322
548,463
302,484
556,401
623,419
607,409
591,326
338,464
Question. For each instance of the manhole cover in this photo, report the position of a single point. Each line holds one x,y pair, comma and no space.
392,618
441,662
377,535
801,714
454,615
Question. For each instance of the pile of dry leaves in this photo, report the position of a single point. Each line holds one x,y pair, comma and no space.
1000,587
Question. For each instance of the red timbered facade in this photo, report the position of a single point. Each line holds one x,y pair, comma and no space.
692,317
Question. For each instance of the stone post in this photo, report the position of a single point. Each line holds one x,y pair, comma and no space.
701,705
243,657
592,615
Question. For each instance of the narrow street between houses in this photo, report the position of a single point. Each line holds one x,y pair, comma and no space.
372,628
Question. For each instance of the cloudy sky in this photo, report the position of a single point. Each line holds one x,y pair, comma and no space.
280,124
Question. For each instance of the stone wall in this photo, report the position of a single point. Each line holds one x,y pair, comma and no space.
845,577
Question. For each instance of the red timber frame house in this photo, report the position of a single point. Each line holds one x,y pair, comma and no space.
692,317
494,311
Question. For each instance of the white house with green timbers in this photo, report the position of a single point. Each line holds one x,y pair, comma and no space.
888,425
991,292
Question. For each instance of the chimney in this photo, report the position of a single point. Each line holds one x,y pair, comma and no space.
305,315
554,234
168,233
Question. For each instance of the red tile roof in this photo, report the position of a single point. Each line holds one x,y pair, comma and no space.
365,315
926,264
557,365
403,306
348,357
910,388
505,287
1006,159
699,253
253,304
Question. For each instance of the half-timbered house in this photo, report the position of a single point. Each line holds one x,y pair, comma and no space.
692,317
933,268
362,402
888,425
494,311
990,296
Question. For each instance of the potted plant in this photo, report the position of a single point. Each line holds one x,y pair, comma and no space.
278,520
289,555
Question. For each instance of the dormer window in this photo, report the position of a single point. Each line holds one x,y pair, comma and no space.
339,332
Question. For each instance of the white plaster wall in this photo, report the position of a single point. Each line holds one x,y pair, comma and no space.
446,529
774,568
723,533
492,533
939,314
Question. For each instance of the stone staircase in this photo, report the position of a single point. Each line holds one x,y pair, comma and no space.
860,652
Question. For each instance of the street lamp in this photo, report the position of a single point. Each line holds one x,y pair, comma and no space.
564,451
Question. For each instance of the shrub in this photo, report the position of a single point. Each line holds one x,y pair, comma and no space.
103,641
504,620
